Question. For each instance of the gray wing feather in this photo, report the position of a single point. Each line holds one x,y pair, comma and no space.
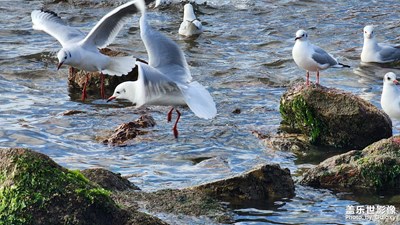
154,84
164,54
389,53
109,26
322,57
52,24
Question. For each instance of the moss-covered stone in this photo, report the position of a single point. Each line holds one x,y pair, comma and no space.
36,190
331,117
376,168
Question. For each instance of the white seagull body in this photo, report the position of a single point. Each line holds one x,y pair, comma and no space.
390,99
311,57
166,80
377,52
191,25
82,51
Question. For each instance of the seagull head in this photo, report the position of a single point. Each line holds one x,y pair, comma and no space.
369,32
63,57
124,90
188,12
301,35
390,79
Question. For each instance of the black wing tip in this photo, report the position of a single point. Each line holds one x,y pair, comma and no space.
49,12
344,65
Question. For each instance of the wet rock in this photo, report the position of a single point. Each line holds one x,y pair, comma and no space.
179,202
237,111
36,190
265,183
77,78
72,112
376,168
331,117
297,143
128,131
108,180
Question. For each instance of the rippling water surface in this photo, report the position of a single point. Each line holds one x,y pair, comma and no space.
244,57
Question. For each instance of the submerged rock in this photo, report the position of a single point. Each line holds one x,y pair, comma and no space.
77,78
376,168
331,117
268,182
128,131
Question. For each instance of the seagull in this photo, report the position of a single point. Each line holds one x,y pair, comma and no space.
82,51
191,25
311,57
377,52
166,79
390,99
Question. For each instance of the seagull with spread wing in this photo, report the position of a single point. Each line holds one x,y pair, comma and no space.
82,51
166,80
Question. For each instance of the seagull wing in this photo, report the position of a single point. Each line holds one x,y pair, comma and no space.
389,53
164,54
154,88
52,24
322,57
109,26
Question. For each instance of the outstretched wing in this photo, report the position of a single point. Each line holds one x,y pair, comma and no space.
109,26
154,88
164,54
52,24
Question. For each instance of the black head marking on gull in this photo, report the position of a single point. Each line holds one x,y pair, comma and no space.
49,12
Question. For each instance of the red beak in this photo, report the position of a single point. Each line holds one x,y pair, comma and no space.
59,65
395,82
111,98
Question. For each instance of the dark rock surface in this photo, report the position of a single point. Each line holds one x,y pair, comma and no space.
128,131
265,183
376,168
108,180
331,117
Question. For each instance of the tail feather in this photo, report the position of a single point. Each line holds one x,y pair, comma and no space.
120,65
199,100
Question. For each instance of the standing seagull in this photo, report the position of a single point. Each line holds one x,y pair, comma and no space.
82,51
166,80
191,25
377,52
311,57
390,99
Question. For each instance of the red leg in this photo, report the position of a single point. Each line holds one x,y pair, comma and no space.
175,129
308,78
317,76
169,115
71,70
102,92
84,95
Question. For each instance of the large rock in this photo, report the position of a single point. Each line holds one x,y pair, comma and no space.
36,190
267,182
376,168
332,117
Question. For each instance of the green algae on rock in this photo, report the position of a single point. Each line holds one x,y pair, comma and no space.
36,190
331,117
376,168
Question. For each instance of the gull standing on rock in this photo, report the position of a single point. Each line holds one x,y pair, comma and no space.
166,80
82,51
377,52
191,25
311,57
390,99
